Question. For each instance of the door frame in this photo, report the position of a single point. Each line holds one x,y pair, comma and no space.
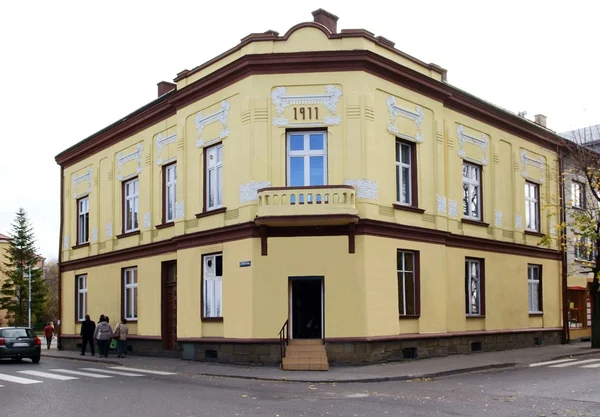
163,302
290,303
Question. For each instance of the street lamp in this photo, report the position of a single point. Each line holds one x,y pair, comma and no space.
29,301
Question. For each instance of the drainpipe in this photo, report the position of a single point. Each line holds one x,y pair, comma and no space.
60,238
563,233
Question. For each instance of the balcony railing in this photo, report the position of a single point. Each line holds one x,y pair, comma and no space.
318,205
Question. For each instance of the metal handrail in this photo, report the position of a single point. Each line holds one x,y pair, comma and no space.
284,337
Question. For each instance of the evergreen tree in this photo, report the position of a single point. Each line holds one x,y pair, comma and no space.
20,255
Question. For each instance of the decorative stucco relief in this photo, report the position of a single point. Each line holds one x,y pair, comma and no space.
123,159
179,210
452,208
441,204
481,142
147,217
498,218
329,100
416,116
249,190
65,242
218,116
109,230
518,222
161,142
94,234
537,163
87,177
365,188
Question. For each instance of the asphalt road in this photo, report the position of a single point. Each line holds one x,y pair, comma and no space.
545,390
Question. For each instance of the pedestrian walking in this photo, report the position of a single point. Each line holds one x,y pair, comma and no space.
121,332
88,328
103,334
49,333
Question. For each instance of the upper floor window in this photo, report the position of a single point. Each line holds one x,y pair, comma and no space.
306,159
130,288
131,206
212,296
532,206
83,220
170,192
472,191
408,283
405,173
534,285
214,177
474,287
584,249
578,195
81,306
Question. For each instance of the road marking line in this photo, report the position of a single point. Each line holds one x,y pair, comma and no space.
124,368
18,380
47,375
595,365
106,371
564,365
68,371
550,362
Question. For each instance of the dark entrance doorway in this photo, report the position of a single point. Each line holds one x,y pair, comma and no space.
169,304
307,308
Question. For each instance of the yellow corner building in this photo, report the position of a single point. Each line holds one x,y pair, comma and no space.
318,191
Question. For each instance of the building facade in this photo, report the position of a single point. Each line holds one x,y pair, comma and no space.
320,179
4,240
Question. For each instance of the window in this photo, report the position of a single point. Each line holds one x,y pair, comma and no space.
408,283
169,192
584,249
214,177
83,220
130,302
306,159
406,173
472,191
131,207
474,287
577,195
212,286
534,282
532,206
81,286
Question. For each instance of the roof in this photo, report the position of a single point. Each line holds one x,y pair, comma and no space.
583,135
4,237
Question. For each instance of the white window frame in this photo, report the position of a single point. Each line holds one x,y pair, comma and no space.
306,153
587,255
212,287
469,287
532,209
577,192
81,296
170,192
533,288
131,199
402,281
83,220
214,169
399,178
470,183
130,288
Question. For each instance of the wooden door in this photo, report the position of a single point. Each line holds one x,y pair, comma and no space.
169,304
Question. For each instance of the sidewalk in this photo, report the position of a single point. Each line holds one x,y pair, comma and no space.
395,371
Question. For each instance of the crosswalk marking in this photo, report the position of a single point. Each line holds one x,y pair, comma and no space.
106,371
550,362
123,368
47,375
18,380
595,365
564,365
78,373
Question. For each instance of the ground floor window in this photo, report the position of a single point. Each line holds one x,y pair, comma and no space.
408,282
474,287
130,289
81,307
212,288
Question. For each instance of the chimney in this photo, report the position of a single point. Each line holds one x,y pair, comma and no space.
164,87
326,19
540,119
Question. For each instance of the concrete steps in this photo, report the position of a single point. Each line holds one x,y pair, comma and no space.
305,355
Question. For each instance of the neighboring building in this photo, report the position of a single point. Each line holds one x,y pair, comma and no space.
321,179
4,240
581,252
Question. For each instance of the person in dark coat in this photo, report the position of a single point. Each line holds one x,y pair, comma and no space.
87,335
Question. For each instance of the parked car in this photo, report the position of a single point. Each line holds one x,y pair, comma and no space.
18,343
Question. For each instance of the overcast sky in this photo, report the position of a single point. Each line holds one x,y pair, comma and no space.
68,69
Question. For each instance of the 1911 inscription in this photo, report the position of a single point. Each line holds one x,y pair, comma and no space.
306,113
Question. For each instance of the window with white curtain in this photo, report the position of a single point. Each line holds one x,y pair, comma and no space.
212,286
81,297
130,284
534,281
214,177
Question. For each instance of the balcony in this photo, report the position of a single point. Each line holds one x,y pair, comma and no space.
307,206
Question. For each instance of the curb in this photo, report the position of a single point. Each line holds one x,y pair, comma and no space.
83,359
